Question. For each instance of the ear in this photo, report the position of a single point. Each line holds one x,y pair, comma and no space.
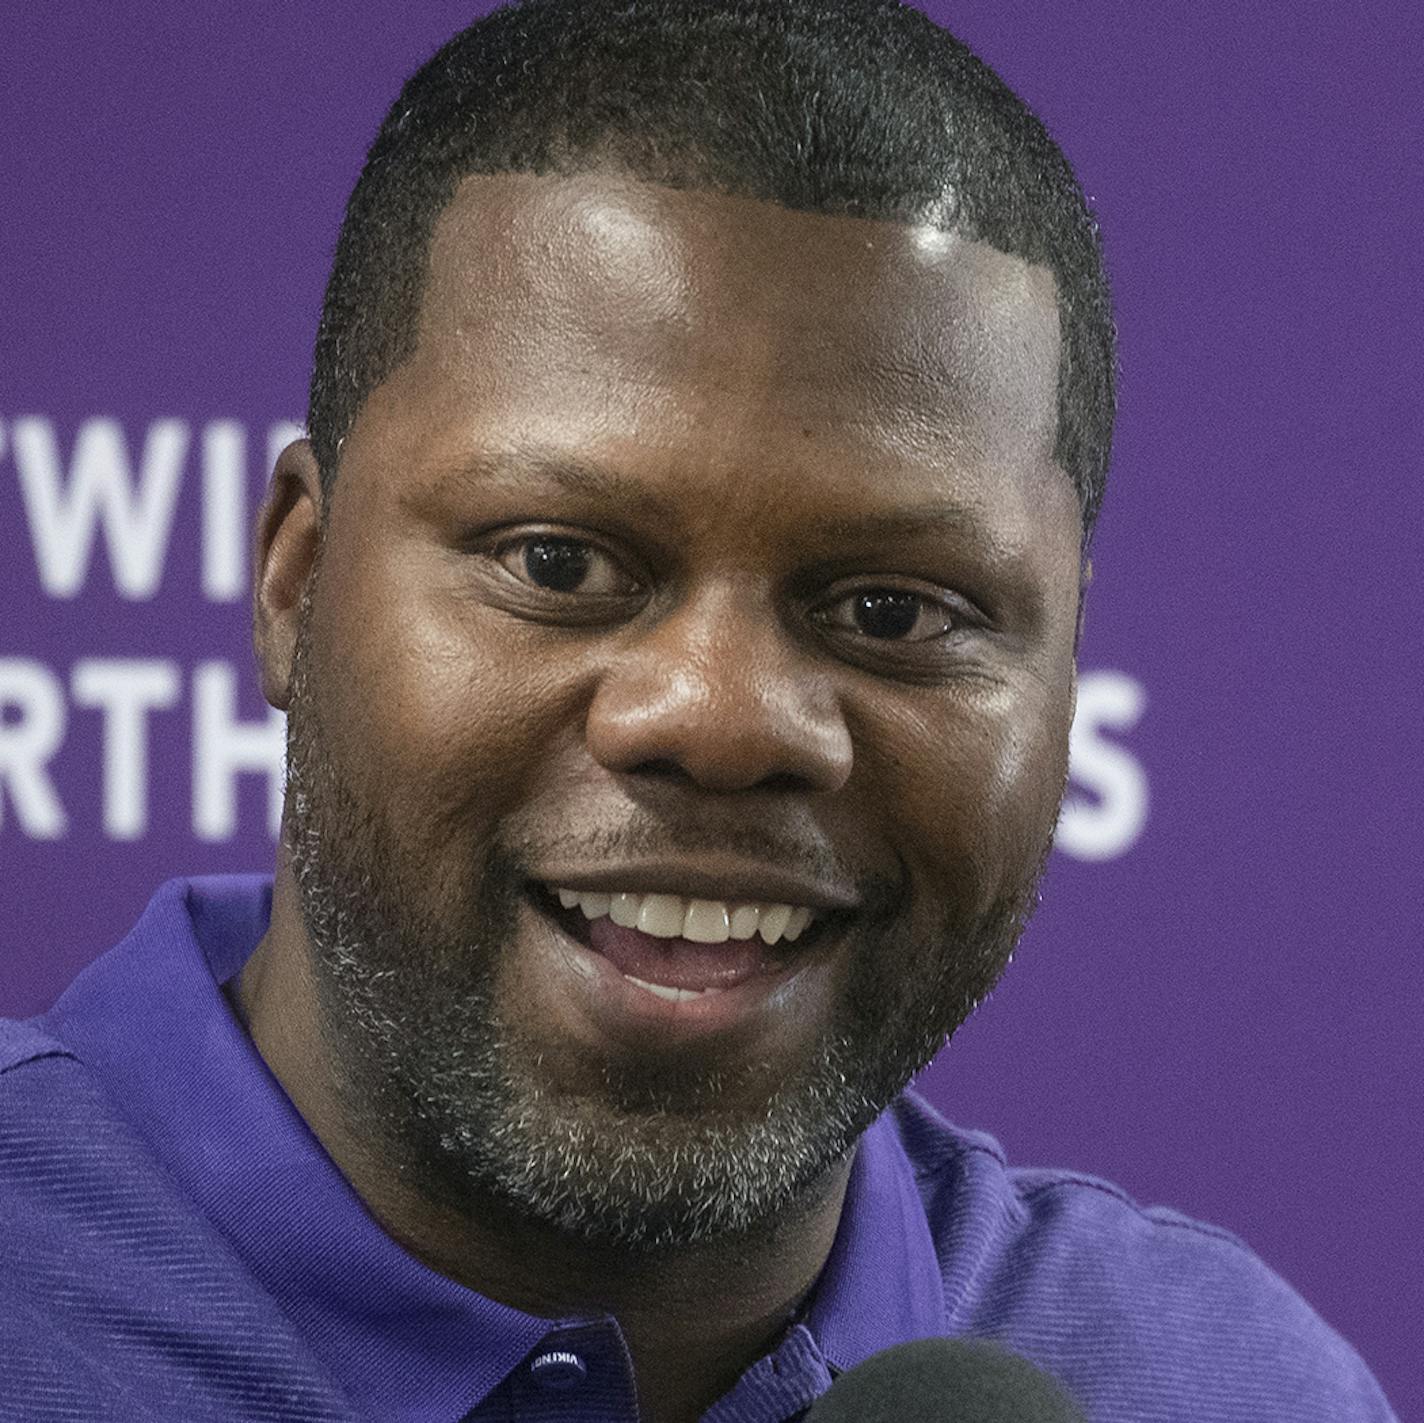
284,557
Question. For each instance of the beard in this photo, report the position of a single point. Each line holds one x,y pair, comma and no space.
429,1064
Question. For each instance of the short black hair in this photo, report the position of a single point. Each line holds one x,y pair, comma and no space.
854,107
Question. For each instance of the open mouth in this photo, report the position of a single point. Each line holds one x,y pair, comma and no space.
680,948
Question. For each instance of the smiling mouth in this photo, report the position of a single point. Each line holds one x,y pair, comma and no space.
681,948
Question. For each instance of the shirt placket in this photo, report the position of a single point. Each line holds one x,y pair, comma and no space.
578,1373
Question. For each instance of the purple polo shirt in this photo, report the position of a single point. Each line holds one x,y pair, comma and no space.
176,1244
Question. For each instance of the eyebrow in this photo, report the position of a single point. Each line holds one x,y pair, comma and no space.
567,472
902,524
599,484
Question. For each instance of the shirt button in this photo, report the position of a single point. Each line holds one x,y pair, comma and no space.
558,1368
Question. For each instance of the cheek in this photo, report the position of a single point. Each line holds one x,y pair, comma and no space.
441,711
974,788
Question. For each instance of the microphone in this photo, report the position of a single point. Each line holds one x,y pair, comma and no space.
945,1381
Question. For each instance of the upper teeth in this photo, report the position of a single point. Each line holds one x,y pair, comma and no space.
704,921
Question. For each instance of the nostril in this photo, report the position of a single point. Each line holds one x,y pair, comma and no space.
782,781
663,768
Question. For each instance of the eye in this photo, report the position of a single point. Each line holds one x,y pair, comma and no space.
889,615
556,564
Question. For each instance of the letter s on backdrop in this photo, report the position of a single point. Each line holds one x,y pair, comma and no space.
1109,821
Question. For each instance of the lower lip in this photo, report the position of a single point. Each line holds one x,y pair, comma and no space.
606,995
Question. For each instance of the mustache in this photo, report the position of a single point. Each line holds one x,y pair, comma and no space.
642,834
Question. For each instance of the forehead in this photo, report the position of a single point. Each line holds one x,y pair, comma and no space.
537,282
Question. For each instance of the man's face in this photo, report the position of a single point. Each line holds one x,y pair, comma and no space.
702,549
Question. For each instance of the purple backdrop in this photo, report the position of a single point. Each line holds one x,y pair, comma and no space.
1218,1005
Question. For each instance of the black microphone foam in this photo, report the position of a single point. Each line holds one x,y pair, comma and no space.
945,1381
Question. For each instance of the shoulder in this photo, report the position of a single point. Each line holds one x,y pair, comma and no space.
46,1096
118,1297
66,1151
50,1101
1142,1311
23,1041
68,1172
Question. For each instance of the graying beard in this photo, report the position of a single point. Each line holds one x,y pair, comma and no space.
652,1181
659,1181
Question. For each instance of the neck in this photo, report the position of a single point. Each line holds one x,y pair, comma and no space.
694,1319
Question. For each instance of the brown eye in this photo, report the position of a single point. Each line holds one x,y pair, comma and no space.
890,615
558,564
563,565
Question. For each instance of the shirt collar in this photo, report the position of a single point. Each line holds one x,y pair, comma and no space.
881,1285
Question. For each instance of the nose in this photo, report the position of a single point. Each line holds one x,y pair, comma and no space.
716,691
